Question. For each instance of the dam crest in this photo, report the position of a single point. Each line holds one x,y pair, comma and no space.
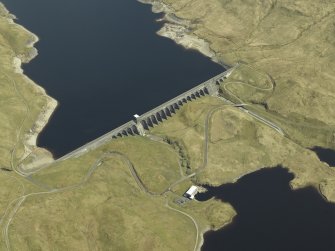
142,123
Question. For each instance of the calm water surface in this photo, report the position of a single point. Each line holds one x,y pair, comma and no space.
103,62
272,217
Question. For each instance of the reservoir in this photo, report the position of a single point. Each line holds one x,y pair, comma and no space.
103,62
325,155
270,216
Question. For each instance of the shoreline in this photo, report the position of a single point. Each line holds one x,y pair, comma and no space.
173,28
30,139
176,29
208,229
293,184
179,30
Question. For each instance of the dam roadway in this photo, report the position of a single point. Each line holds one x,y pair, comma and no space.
144,122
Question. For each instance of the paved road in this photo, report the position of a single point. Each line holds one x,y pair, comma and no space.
19,132
192,219
104,138
15,204
265,121
243,107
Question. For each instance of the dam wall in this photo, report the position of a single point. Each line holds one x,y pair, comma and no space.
142,123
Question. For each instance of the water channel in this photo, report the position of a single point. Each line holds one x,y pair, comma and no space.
103,62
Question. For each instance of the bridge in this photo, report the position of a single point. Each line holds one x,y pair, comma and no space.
144,122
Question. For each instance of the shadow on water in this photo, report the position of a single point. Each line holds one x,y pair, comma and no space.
325,155
103,61
271,216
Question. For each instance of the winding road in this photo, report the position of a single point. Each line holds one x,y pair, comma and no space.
15,204
242,105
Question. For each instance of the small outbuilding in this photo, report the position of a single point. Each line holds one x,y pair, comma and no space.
191,192
136,116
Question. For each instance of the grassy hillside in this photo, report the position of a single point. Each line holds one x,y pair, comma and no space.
239,144
125,195
91,202
23,104
89,205
292,41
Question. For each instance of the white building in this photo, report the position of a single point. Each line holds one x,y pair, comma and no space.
191,192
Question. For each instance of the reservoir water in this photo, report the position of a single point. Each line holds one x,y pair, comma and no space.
270,216
103,62
325,155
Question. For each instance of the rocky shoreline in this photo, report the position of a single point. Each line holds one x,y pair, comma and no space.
175,28
180,30
30,138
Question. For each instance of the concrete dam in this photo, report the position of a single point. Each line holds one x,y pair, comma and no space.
142,123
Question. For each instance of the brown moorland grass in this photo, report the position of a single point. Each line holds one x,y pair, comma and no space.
108,209
91,202
238,144
21,101
156,164
290,40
